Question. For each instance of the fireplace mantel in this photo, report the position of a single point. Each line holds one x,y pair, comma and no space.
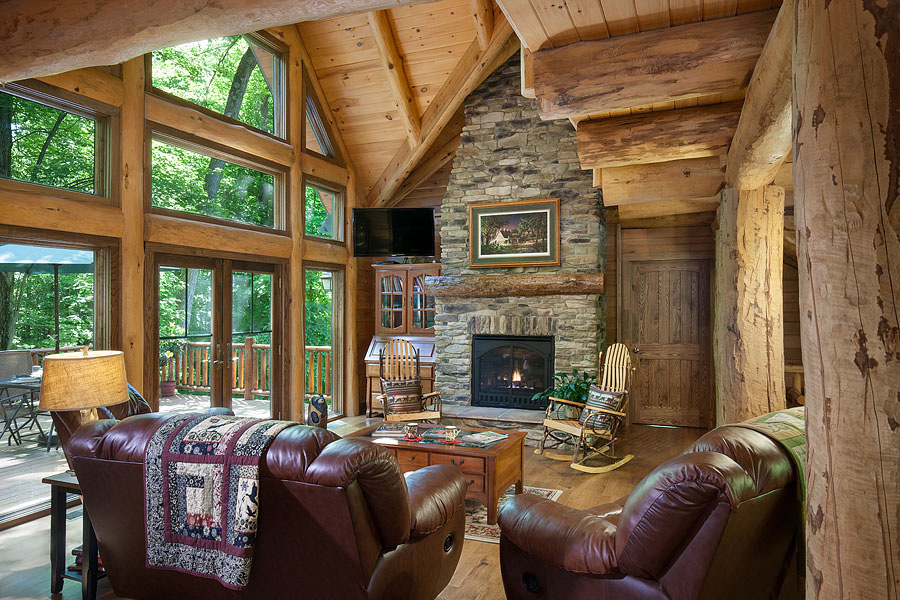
514,284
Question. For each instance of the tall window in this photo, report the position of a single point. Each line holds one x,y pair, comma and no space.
47,145
324,342
324,212
188,181
238,76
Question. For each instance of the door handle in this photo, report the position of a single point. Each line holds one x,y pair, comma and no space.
636,350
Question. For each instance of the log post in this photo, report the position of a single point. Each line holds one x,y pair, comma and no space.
131,194
846,94
749,327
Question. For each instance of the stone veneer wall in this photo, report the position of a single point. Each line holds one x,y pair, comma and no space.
507,153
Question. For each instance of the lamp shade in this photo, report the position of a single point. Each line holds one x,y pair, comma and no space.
83,380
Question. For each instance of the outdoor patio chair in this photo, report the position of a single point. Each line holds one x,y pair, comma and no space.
401,385
17,404
594,431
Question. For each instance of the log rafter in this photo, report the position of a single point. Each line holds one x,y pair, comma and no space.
474,66
393,67
762,140
483,15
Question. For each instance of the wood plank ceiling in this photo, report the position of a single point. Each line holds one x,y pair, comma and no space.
430,40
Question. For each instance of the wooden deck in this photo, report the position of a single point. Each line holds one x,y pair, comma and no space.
24,554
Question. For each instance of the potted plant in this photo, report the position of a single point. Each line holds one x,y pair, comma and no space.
572,386
168,349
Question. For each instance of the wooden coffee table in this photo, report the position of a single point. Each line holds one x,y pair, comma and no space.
489,471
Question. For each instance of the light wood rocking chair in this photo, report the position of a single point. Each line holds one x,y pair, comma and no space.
399,368
594,433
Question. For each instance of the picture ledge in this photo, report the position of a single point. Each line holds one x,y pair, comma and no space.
514,284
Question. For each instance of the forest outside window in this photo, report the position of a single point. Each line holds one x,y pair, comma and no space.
240,76
324,212
49,146
187,181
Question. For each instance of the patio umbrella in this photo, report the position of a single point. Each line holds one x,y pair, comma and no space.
20,258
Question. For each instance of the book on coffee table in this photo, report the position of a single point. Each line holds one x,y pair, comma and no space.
482,439
394,430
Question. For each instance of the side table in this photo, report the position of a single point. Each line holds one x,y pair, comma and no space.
60,485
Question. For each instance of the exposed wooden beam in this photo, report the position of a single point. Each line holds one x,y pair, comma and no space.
749,323
43,37
175,231
526,66
474,66
523,284
763,137
483,15
658,136
49,211
396,74
426,169
324,169
195,122
91,83
687,179
663,65
847,140
664,208
597,178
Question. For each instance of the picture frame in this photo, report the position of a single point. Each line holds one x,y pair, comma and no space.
514,234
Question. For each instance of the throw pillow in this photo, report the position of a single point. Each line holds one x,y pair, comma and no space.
601,399
402,395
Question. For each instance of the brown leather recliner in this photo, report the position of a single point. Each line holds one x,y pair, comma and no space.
337,518
717,522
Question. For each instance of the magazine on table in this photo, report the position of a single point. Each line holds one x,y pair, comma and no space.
434,434
482,438
395,430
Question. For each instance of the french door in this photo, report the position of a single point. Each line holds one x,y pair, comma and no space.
217,336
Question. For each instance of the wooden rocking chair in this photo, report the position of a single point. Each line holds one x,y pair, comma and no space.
401,386
594,432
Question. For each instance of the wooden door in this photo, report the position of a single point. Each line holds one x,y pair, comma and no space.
666,324
390,301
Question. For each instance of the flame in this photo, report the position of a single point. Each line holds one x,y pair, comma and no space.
516,376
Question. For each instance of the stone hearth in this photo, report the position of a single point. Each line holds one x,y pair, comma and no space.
507,153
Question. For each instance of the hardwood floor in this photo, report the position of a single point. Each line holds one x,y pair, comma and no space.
24,567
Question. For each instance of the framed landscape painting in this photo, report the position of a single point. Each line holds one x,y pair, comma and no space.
514,234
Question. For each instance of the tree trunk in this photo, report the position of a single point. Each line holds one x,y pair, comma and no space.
12,290
847,204
232,109
749,320
46,145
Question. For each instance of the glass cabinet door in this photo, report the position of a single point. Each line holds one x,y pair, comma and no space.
391,301
421,304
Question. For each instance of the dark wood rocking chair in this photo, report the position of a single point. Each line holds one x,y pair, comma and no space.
399,370
594,432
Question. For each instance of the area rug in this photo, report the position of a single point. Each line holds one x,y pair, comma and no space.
477,527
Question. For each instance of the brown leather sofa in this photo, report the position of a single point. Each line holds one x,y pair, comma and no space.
717,522
337,518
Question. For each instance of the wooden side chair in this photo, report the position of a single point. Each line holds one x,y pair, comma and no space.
594,432
401,385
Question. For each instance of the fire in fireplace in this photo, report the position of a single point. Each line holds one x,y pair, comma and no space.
509,370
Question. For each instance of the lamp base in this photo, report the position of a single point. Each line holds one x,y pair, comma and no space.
89,415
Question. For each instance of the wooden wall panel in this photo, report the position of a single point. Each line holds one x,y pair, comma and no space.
791,283
611,283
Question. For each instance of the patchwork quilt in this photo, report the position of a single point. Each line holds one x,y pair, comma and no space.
201,492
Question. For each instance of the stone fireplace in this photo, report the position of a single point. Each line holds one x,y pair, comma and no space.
507,153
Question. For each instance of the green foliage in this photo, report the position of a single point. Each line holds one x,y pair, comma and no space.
572,386
319,311
202,72
46,145
316,215
180,181
35,325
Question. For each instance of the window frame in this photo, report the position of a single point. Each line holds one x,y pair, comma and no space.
279,96
320,122
340,191
106,135
281,199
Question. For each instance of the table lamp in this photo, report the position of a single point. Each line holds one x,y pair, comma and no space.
83,381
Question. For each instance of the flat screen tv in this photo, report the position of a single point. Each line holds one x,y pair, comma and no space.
393,232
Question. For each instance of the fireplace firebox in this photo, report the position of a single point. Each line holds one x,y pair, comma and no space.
509,370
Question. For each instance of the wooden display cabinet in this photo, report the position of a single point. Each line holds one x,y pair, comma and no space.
402,310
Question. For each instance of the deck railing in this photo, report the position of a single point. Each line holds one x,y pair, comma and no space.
251,373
